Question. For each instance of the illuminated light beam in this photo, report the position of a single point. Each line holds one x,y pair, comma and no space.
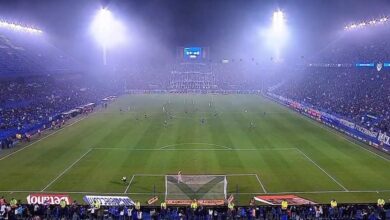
278,33
18,27
278,21
108,31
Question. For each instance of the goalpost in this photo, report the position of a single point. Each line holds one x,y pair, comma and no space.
199,187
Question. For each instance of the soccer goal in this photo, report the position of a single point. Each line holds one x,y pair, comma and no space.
200,187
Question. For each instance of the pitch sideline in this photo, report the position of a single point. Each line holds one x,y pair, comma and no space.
29,145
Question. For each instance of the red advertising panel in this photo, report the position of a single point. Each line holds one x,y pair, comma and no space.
277,200
52,199
203,202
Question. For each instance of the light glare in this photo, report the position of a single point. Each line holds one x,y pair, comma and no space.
17,27
367,23
278,22
276,36
107,30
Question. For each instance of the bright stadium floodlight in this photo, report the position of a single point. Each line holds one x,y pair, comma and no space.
277,34
18,27
278,22
107,31
372,22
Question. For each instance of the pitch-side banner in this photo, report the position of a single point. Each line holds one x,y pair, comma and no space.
277,200
109,200
203,202
49,199
373,138
383,138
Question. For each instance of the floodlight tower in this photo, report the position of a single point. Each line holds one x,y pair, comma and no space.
279,31
107,31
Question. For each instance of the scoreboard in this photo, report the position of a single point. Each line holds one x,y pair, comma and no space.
193,53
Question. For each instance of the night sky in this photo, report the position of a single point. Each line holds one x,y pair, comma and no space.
229,27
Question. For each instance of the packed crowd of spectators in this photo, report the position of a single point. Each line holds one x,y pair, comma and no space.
21,55
202,67
188,77
14,210
27,103
334,84
361,95
360,45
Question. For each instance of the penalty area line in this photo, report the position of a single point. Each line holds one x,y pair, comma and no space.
209,144
191,149
341,135
66,170
194,149
329,129
128,186
319,167
261,184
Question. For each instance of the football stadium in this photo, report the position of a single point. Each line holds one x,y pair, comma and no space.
194,109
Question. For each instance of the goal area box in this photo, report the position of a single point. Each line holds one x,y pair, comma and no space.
206,189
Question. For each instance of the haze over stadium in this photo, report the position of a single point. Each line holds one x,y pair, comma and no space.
194,109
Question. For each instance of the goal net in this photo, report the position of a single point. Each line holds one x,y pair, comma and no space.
200,187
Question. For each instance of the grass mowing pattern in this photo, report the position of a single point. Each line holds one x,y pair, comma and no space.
287,152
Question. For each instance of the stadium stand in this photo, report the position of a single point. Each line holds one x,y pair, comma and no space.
192,76
39,82
31,104
339,91
368,45
45,84
32,56
333,84
76,211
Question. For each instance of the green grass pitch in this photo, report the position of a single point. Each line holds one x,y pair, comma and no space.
282,153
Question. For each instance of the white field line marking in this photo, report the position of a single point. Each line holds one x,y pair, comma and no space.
128,186
347,139
23,148
325,127
196,117
66,170
217,145
194,149
162,193
232,174
166,187
330,176
262,186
